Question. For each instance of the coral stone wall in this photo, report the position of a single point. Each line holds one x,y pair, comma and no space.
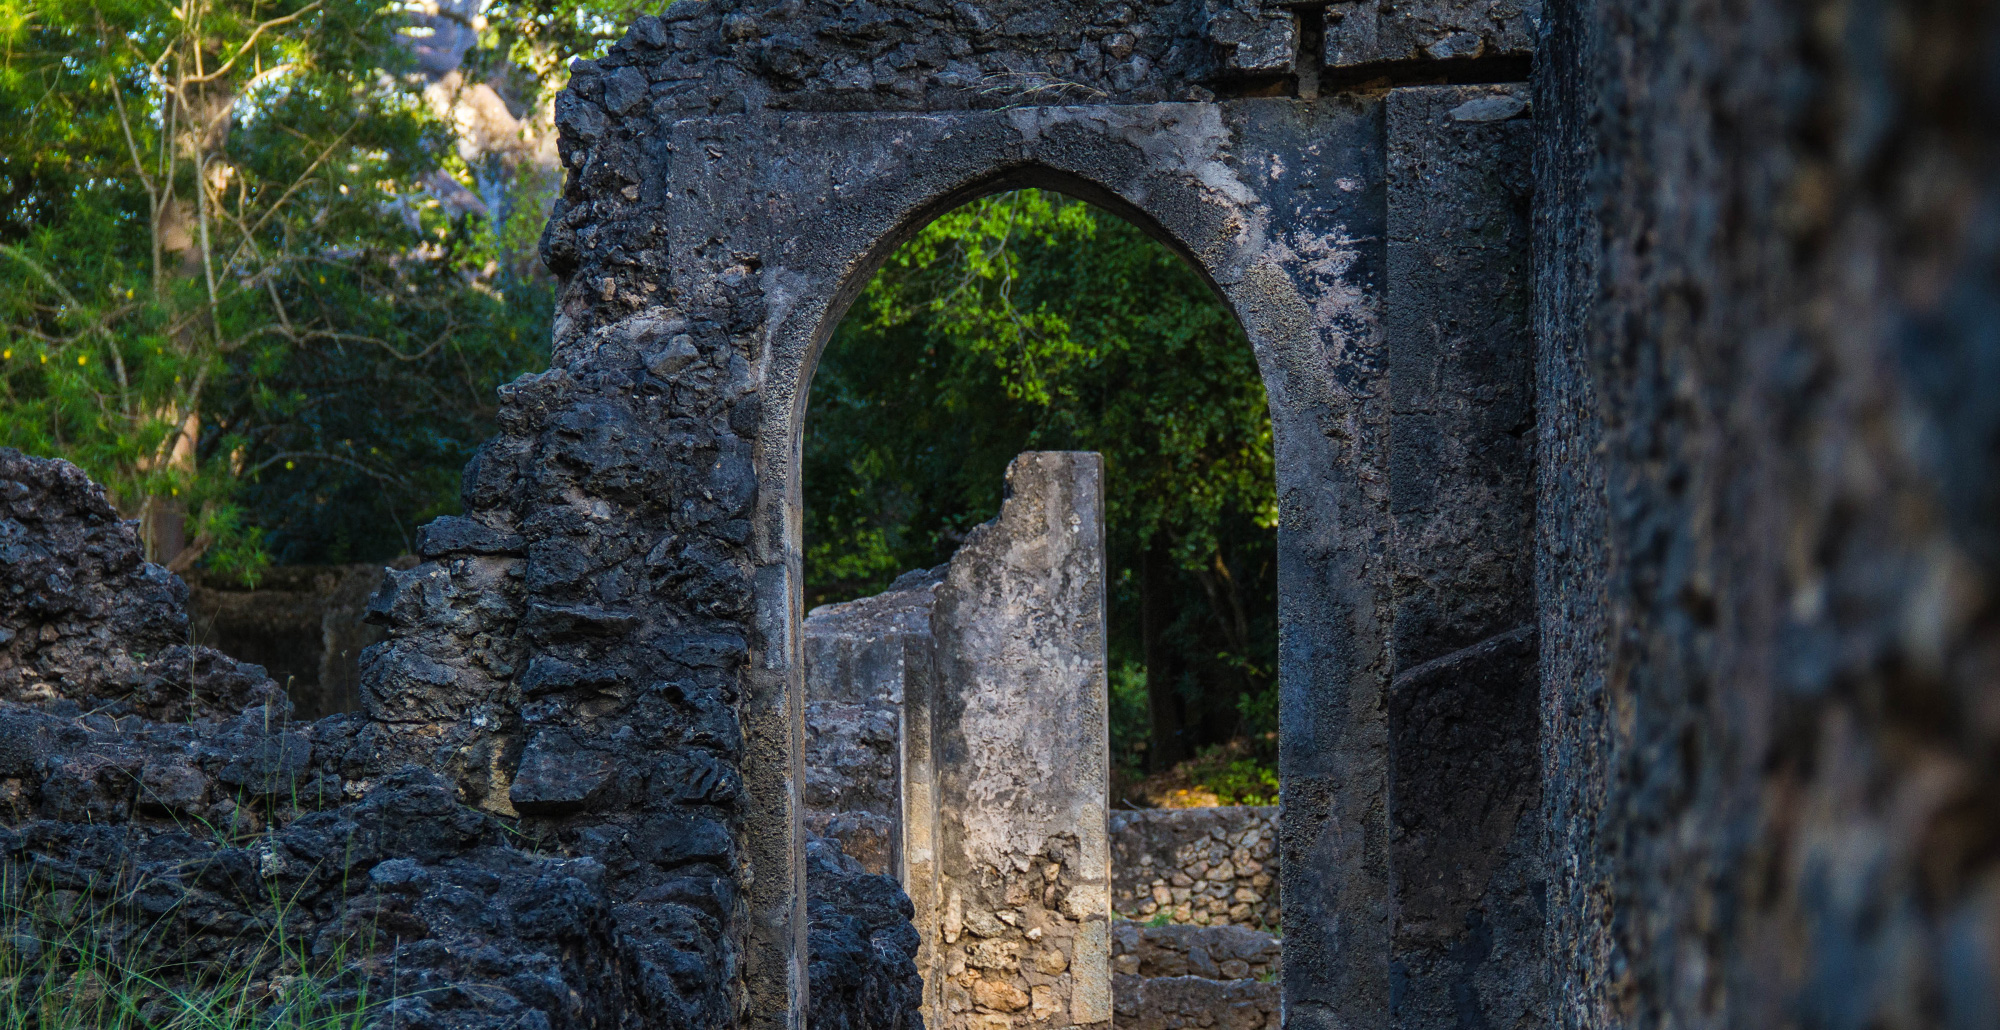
1175,977
1201,866
164,795
1209,952
1195,1003
1769,290
864,659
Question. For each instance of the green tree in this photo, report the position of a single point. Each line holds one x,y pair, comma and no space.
220,262
1030,320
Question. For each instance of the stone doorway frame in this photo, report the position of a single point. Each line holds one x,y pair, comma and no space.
1278,204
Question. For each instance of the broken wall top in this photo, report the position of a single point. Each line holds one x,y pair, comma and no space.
705,57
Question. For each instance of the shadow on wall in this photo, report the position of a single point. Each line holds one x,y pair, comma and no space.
302,623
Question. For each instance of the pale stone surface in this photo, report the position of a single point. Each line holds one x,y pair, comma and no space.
859,656
1022,739
957,737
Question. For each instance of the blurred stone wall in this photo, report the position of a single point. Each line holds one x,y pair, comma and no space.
303,623
866,660
1768,264
1174,977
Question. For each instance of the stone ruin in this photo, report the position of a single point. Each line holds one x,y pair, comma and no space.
1200,866
958,738
1640,584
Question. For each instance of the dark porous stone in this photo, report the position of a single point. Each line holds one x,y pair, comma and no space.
455,534
861,945
1635,444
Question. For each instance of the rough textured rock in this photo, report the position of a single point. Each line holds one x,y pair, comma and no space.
166,786
83,617
1022,755
604,650
706,58
1770,559
1206,866
1209,952
1189,1002
1767,574
868,664
961,715
173,791
864,970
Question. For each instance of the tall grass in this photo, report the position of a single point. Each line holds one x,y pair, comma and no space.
70,962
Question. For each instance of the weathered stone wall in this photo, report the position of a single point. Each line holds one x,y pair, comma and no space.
1022,758
1188,1002
1767,570
680,225
1203,866
1209,952
604,651
930,55
1177,976
956,732
148,783
868,668
1770,557
1464,786
863,948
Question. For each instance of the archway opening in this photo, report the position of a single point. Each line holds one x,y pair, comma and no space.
1022,321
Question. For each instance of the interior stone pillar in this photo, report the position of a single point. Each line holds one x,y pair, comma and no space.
1020,740
958,736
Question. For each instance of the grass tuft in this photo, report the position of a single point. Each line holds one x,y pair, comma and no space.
71,962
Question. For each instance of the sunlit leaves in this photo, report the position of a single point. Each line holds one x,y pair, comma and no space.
1097,338
1029,320
210,203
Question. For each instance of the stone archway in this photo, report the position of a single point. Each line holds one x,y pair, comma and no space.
1373,246
1300,274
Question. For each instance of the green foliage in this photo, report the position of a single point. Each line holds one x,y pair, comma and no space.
1028,320
1232,776
224,287
1130,719
537,38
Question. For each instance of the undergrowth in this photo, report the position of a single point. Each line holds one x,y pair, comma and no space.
1236,773
1234,776
71,962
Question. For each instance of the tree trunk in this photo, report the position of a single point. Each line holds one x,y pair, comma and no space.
1168,744
163,530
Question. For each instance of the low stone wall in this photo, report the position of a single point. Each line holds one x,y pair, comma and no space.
859,657
1178,1002
301,623
1202,866
1209,952
1175,976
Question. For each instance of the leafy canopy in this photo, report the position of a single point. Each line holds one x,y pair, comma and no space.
213,209
1029,320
